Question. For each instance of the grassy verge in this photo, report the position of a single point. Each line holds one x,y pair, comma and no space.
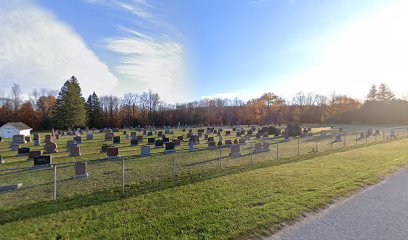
250,203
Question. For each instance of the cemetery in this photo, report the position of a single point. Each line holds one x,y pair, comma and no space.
69,165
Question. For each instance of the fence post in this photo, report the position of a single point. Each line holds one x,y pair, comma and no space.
123,174
345,136
250,152
331,141
54,196
174,164
317,150
277,150
298,150
220,157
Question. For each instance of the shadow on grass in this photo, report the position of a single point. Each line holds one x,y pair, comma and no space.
82,201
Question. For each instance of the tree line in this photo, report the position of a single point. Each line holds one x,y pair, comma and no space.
67,108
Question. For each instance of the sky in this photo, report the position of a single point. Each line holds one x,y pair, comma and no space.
188,50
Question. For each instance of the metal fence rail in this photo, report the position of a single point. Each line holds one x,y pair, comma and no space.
64,180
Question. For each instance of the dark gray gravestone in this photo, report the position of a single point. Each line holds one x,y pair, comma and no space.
134,142
23,151
170,147
81,170
116,140
158,144
43,161
151,141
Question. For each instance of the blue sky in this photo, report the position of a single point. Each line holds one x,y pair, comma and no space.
187,50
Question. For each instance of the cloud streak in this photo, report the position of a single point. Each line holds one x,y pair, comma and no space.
150,59
37,51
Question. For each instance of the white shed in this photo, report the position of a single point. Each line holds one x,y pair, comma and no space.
10,129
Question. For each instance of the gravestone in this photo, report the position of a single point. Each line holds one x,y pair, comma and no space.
242,141
33,154
235,150
127,136
159,133
227,133
212,146
158,144
14,146
150,141
258,147
75,151
149,134
81,170
104,148
200,135
70,143
210,139
392,134
166,140
109,136
228,143
48,138
258,135
19,139
50,147
265,147
116,140
176,142
180,138
42,161
78,139
191,147
205,136
170,148
2,160
145,151
139,138
134,142
112,152
23,151
89,136
27,139
57,136
338,139
144,132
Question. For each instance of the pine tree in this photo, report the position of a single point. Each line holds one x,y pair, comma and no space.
70,109
372,94
94,111
384,93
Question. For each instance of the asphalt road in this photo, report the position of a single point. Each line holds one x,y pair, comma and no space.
379,212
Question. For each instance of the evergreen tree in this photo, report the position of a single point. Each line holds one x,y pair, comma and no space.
384,93
70,109
372,94
94,111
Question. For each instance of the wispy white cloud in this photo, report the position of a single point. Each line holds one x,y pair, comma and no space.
39,51
149,60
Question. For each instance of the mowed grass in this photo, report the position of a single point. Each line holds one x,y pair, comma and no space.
247,204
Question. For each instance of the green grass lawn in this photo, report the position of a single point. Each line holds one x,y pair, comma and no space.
251,203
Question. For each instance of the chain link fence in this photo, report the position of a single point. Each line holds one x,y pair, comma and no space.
29,185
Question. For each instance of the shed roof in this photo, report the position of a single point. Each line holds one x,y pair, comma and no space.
18,125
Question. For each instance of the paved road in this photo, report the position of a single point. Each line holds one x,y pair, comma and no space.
379,212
